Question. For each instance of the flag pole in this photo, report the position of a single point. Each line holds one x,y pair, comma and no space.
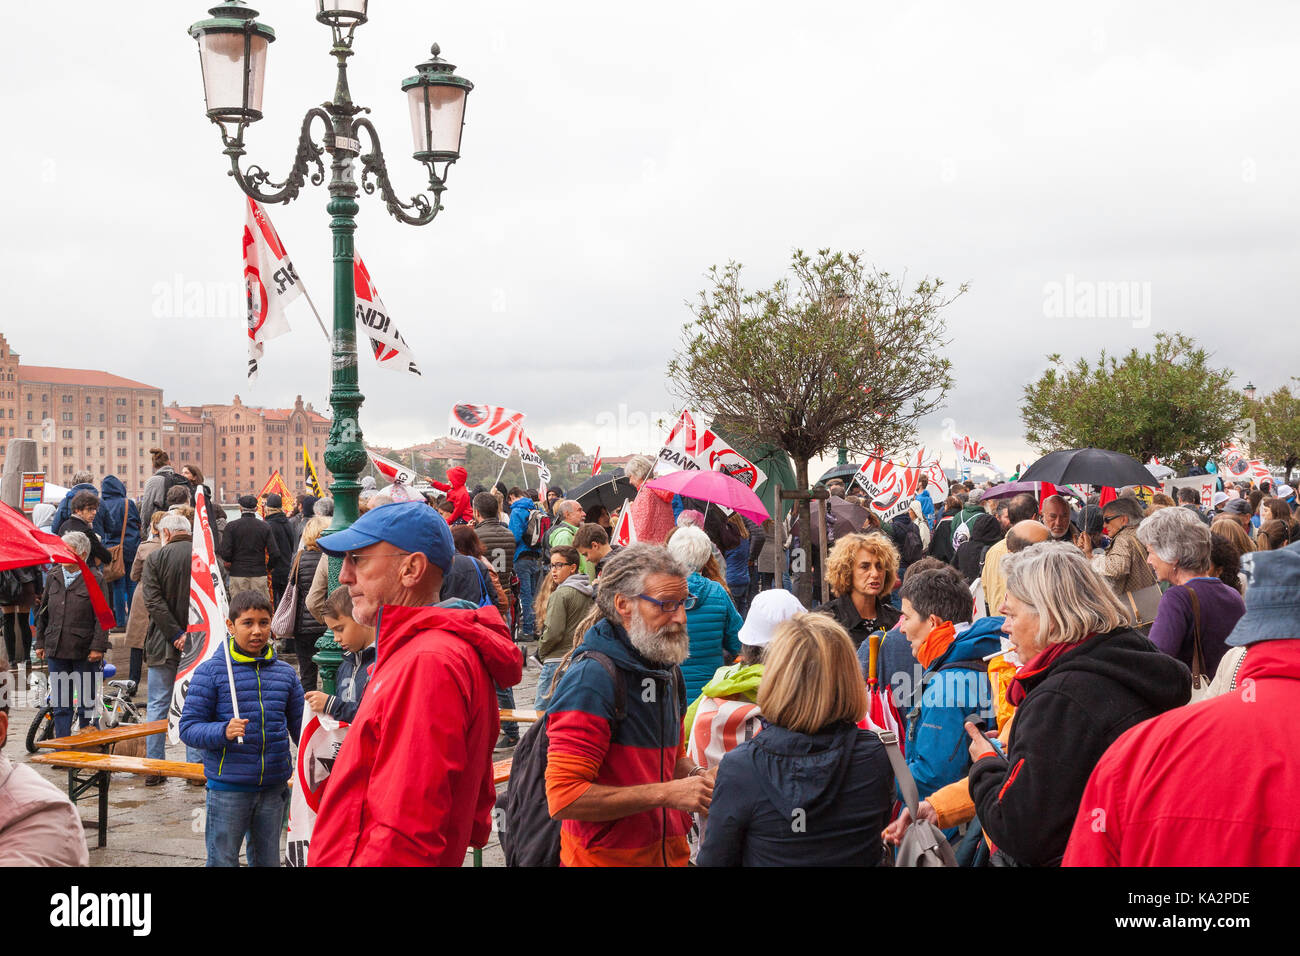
230,673
506,462
324,332
524,471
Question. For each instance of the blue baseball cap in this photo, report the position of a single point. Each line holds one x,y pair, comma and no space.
1272,597
409,525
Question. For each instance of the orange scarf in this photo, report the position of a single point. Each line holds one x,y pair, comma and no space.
937,644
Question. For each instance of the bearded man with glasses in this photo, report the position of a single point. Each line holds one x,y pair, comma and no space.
412,784
617,773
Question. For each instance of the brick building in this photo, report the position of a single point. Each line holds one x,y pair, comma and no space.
81,419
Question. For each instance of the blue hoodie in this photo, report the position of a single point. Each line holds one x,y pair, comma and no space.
937,742
65,510
112,501
519,523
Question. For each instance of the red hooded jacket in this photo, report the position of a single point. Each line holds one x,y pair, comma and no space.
457,494
412,784
1215,783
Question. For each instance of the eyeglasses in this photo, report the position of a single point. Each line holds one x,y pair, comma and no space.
358,559
670,607
1105,521
562,564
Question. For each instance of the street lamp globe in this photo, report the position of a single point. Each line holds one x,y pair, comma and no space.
437,97
342,14
232,55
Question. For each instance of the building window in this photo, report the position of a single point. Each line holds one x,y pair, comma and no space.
29,414
101,399
121,419
142,403
141,419
88,400
121,401
142,469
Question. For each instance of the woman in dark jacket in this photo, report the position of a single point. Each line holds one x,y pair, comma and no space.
306,629
861,571
84,507
985,531
69,636
1087,678
117,507
811,789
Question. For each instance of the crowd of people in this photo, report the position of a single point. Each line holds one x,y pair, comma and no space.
1037,672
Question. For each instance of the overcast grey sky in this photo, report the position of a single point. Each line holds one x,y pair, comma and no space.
614,152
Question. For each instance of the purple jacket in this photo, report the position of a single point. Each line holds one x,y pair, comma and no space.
1173,629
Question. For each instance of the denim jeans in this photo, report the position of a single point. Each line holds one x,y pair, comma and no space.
527,568
231,815
544,684
161,679
69,678
121,592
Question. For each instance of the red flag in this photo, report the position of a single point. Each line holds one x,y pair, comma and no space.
624,532
595,466
22,544
1108,494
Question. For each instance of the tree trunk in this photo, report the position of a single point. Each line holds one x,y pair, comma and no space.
804,582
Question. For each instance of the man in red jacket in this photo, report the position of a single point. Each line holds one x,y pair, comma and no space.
1215,783
457,495
412,784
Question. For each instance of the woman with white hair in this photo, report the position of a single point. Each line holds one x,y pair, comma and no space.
652,510
712,621
1198,607
70,637
1088,677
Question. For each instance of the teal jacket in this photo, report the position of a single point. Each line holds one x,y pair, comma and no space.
714,628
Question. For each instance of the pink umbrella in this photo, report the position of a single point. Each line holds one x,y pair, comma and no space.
715,487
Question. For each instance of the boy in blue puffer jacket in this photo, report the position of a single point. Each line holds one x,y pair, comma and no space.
247,791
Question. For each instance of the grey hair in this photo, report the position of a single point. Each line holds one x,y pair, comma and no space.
691,546
564,507
173,523
625,573
639,467
324,507
83,478
1058,584
1177,536
1126,506
78,542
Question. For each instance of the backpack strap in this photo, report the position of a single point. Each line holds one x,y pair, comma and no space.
975,665
906,782
1198,648
620,687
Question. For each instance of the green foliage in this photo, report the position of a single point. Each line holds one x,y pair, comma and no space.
1167,402
835,353
1277,428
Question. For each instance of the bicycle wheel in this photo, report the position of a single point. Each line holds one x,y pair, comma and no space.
42,728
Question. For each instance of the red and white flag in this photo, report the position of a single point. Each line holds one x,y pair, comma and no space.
624,532
318,748
394,471
889,486
270,281
595,465
529,455
499,430
206,628
691,447
386,343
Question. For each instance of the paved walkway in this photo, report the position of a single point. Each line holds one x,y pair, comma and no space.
163,825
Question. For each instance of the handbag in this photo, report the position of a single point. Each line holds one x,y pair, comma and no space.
116,568
1142,605
1200,680
282,623
923,843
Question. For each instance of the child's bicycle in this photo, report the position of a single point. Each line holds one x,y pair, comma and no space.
115,707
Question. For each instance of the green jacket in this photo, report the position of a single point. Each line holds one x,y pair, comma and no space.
569,604
734,680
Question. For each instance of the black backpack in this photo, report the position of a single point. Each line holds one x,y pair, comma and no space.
529,835
537,528
171,480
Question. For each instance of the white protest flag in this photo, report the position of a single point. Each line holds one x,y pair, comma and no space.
691,448
394,471
529,455
318,747
499,430
270,281
206,628
386,343
1235,461
625,531
971,453
889,486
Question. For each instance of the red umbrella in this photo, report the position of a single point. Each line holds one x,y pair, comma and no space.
23,545
715,487
881,712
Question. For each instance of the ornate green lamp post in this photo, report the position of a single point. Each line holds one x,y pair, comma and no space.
232,54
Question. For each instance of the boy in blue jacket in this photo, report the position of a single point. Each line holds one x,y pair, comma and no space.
358,643
936,612
246,758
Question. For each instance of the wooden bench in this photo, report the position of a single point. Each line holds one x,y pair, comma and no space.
100,738
519,716
87,772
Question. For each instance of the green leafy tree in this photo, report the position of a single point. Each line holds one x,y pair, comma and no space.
1276,420
834,353
1168,402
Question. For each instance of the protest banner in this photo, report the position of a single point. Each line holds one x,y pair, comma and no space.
691,448
318,748
206,629
889,486
497,429
394,471
529,455
386,343
1204,485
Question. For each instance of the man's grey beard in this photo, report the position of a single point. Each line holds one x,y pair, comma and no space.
668,645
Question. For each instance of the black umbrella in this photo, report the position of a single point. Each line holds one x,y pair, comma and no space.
610,490
840,471
1090,466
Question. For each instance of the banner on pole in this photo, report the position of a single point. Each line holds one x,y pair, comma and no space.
274,485
270,281
497,429
394,471
689,447
318,748
386,343
889,485
206,629
529,455
312,480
